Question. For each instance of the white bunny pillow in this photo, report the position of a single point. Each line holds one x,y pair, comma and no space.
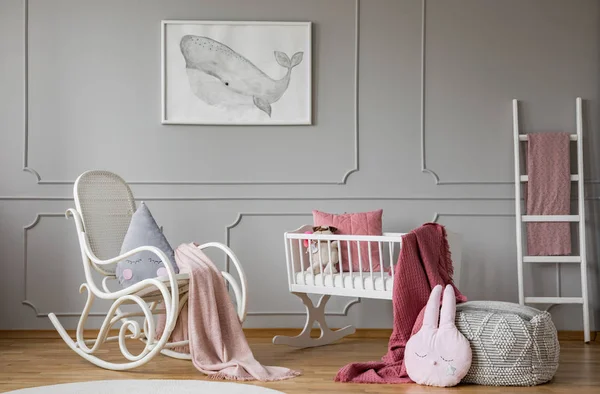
438,356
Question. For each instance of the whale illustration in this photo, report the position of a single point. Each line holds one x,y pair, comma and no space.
220,76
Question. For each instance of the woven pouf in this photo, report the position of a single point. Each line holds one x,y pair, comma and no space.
512,345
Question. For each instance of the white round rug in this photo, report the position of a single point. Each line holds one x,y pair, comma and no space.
148,387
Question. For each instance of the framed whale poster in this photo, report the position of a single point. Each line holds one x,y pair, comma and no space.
236,73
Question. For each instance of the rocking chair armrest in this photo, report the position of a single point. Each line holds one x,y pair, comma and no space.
153,249
241,295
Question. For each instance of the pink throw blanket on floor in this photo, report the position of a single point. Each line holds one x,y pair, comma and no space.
424,262
217,343
548,193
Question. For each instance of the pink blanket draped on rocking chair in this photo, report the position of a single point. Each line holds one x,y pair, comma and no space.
424,262
217,343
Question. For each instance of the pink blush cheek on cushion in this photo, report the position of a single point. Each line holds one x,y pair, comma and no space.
127,274
162,271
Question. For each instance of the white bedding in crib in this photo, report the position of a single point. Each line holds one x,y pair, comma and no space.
347,279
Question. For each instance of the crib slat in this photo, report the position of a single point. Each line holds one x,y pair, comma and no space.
332,265
329,261
391,248
321,264
340,273
292,265
301,258
289,268
310,258
371,265
350,263
362,284
381,264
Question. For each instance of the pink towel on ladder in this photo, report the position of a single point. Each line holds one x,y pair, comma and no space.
548,193
217,343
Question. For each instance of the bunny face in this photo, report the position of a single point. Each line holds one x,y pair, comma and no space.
438,355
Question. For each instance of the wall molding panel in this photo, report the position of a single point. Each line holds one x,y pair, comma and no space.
26,301
40,181
424,168
436,178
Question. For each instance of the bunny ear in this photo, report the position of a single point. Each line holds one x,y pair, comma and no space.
448,308
432,310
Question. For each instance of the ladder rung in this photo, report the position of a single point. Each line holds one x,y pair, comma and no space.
552,259
550,218
524,137
574,178
553,300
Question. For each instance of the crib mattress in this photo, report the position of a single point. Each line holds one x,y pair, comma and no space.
347,280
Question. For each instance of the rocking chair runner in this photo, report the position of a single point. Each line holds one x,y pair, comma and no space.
104,206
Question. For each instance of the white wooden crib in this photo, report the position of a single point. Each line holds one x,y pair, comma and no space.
362,284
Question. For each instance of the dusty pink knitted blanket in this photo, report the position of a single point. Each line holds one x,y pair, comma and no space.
424,262
217,343
548,193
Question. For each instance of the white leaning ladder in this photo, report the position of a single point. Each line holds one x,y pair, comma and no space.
579,218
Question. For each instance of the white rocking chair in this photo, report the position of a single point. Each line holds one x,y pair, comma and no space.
105,205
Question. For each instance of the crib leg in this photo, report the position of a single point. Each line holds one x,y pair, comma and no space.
314,314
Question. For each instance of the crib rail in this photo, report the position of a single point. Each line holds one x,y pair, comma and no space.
365,265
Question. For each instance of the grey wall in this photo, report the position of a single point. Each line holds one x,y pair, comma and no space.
93,84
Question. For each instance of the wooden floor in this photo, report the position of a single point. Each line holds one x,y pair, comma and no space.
38,362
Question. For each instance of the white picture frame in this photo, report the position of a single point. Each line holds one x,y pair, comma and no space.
236,72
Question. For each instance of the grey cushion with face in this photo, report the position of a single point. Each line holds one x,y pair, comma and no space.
143,231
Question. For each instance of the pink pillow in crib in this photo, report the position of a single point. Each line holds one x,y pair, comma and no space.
363,223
